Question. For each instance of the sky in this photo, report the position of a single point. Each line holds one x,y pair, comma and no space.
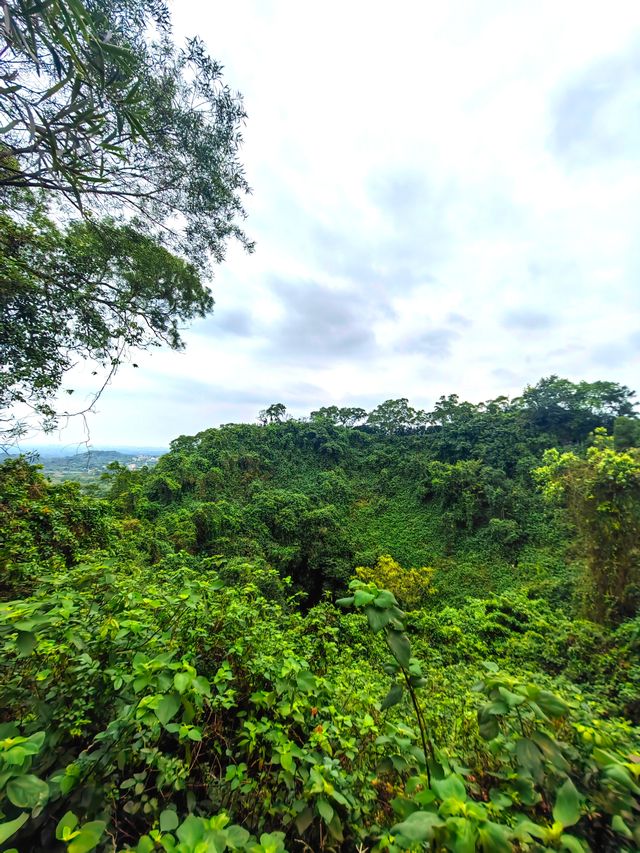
446,199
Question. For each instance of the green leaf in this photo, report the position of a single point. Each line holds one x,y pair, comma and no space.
286,760
400,647
512,699
306,681
201,685
528,755
567,806
494,838
181,680
33,744
12,826
452,787
345,602
167,708
488,723
325,809
393,697
304,820
618,825
335,829
571,843
418,826
362,597
27,791
25,643
552,705
68,821
90,835
464,835
237,837
168,820
550,750
190,831
621,775
527,829
385,598
377,618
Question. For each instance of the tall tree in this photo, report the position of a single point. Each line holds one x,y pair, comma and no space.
119,183
569,411
602,494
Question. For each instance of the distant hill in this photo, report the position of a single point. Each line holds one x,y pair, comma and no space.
88,466
71,450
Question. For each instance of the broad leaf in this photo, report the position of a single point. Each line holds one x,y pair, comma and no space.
393,697
528,756
306,681
567,806
67,822
168,820
12,826
571,843
494,838
25,642
89,838
400,647
552,705
181,680
385,598
418,826
325,809
27,791
451,787
377,618
167,708
362,597
190,831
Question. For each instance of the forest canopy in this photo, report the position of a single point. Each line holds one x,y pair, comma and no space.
401,630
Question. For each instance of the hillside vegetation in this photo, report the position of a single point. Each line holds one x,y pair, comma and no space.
395,630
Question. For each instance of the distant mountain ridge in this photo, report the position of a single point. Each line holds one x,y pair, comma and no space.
69,451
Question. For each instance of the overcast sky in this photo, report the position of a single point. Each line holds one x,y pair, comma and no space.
446,199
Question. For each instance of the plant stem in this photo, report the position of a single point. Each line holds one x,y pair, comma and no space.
423,734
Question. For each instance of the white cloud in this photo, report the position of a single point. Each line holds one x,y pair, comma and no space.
410,164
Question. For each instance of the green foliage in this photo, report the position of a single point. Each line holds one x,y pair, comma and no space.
91,290
567,412
43,525
98,108
172,659
470,493
101,111
411,586
602,493
626,433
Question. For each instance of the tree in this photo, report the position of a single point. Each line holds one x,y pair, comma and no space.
100,108
102,113
392,416
626,433
602,495
348,416
273,414
87,291
569,411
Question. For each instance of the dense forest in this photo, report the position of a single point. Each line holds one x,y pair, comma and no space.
394,630
400,629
